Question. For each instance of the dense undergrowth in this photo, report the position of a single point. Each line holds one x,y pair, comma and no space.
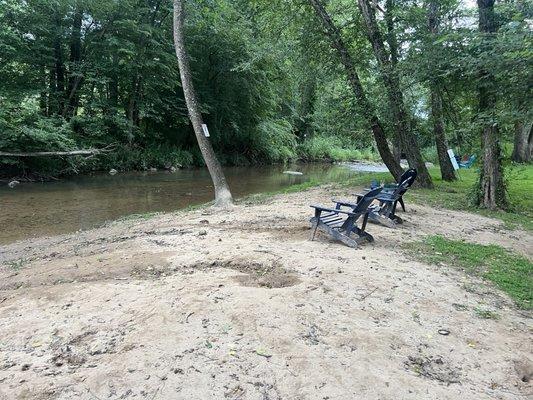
276,145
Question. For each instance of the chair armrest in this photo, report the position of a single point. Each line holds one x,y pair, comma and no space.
344,203
386,197
334,210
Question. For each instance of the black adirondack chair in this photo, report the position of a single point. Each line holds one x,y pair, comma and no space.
410,176
342,224
385,212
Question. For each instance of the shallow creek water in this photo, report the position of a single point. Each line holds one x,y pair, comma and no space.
51,208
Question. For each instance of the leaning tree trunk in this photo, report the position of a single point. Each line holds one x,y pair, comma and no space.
353,79
222,193
446,168
390,78
523,142
492,194
393,46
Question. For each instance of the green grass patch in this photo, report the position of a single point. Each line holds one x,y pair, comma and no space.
17,265
457,195
486,314
510,272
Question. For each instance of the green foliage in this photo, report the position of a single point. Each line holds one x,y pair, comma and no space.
113,79
430,155
127,158
274,141
270,87
512,273
332,148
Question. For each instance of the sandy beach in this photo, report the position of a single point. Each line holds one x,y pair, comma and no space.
241,304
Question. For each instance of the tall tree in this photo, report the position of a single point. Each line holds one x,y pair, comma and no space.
355,83
492,186
389,75
523,142
223,196
75,76
390,8
446,168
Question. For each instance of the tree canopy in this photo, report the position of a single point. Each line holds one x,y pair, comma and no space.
89,73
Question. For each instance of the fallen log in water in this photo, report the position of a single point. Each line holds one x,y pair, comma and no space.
88,152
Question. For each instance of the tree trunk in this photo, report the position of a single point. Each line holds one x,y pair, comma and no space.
523,142
393,46
43,96
222,193
113,85
57,73
305,109
75,76
446,167
353,79
392,85
492,185
132,111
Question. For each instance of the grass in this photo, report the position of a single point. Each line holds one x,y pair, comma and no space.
456,195
510,272
17,265
486,314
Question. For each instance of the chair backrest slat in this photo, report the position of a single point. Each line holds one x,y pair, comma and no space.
366,200
410,175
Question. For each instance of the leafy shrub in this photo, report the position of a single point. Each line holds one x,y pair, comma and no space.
26,131
429,154
331,148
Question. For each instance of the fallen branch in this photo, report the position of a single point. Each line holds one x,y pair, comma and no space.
86,152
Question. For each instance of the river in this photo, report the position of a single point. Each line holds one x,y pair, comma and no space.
52,208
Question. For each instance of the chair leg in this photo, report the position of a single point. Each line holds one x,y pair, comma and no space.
402,203
314,230
365,221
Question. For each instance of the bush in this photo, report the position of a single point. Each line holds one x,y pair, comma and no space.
429,154
274,141
23,130
331,148
127,158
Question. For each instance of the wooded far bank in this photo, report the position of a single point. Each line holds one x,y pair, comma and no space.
276,81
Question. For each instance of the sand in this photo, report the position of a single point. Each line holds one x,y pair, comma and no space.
240,304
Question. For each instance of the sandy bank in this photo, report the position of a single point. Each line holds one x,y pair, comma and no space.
242,305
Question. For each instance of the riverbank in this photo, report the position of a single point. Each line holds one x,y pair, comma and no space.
241,304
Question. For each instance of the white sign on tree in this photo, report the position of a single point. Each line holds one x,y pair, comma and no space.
206,131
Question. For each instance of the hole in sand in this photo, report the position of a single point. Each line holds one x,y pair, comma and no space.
257,274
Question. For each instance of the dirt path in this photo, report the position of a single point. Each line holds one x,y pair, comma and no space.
242,305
